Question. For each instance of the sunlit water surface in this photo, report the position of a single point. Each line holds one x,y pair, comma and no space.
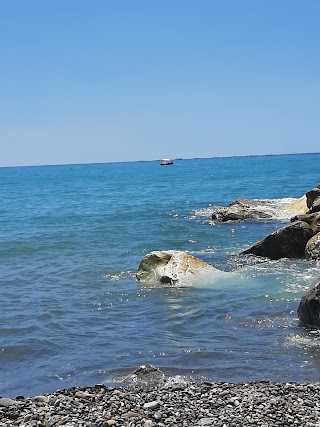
72,238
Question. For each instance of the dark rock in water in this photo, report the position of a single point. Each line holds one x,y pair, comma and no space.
147,370
312,219
146,375
242,209
312,195
287,242
315,207
312,250
309,307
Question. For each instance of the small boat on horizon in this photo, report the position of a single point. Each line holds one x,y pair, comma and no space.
165,162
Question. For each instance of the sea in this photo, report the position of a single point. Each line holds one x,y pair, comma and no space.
73,313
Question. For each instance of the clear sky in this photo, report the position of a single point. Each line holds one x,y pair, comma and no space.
122,80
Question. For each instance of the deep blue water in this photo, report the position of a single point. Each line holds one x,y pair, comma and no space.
71,240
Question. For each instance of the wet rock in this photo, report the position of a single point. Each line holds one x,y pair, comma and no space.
146,376
287,242
315,207
312,219
309,307
312,250
245,209
312,195
170,267
242,209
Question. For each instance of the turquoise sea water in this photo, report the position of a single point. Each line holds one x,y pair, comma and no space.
72,237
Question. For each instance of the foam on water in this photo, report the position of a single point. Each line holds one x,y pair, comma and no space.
279,209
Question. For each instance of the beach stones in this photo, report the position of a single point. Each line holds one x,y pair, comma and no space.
5,402
170,267
261,403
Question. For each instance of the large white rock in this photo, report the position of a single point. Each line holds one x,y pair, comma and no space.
171,267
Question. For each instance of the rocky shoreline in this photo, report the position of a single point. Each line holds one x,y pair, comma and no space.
262,403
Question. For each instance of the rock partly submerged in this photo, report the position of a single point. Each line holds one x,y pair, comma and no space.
309,307
300,239
258,209
286,242
171,267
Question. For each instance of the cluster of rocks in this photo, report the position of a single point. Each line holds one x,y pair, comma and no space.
298,240
245,209
264,404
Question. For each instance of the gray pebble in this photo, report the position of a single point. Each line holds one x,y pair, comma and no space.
151,405
157,416
5,401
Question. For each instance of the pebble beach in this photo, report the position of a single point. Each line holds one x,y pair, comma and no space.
202,404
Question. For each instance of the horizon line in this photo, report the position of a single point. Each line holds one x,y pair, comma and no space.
157,160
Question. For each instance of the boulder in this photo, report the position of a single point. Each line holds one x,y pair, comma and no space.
297,206
315,207
242,209
312,195
309,307
287,242
170,267
312,219
245,209
312,250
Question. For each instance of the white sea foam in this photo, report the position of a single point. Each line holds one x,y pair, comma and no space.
312,340
280,209
113,277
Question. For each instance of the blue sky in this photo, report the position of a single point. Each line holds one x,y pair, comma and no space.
124,80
